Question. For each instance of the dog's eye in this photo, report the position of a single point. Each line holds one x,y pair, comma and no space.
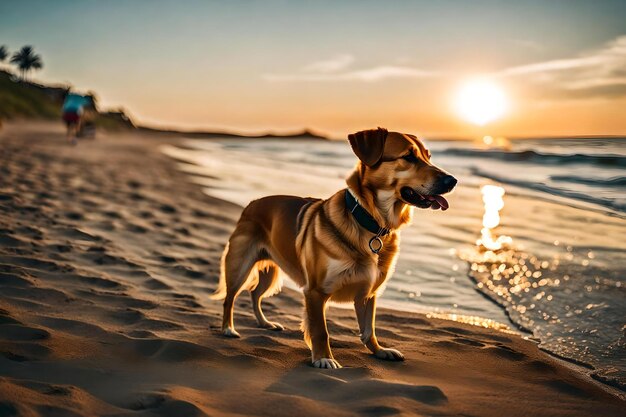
410,158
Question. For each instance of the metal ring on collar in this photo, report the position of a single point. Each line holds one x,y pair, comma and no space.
379,246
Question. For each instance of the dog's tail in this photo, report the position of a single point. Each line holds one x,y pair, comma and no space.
220,292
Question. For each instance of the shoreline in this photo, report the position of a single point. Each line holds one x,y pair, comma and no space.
109,254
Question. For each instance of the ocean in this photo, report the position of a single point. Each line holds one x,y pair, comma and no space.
534,240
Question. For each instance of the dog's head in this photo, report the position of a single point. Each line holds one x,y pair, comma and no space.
400,162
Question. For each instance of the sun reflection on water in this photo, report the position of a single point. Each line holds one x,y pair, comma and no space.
558,295
506,273
494,202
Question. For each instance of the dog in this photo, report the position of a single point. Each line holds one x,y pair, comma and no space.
341,249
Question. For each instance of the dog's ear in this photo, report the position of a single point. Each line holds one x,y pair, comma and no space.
369,145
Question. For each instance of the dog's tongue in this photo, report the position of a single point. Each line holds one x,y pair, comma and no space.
441,200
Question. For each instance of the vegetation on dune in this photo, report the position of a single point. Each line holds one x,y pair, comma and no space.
114,120
28,100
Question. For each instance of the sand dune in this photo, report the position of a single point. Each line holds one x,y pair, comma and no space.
107,258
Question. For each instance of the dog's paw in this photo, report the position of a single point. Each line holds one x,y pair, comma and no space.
326,363
272,325
228,332
389,354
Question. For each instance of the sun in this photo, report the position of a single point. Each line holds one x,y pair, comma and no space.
480,101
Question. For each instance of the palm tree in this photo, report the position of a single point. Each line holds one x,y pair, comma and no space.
26,60
4,53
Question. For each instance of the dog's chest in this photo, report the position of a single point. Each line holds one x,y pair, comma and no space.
348,273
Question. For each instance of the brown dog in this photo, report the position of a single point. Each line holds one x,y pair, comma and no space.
341,249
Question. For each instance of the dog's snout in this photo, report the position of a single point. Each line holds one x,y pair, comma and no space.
448,182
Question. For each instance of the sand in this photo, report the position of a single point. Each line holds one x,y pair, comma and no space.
107,258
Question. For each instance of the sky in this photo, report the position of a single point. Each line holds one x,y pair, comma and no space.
336,66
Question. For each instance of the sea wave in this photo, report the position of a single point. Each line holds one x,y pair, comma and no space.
607,160
612,204
617,182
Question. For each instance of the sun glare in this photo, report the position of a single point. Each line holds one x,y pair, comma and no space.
480,102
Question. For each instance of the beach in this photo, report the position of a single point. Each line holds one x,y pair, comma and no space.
108,255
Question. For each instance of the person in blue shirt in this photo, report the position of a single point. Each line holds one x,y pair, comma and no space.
73,111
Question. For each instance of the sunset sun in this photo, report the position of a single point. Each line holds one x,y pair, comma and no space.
480,102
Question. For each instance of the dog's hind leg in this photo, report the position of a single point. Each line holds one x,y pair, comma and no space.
241,255
268,282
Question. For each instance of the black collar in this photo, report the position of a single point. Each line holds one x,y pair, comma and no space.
362,217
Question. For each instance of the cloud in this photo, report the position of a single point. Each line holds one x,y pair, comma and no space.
599,73
337,69
528,44
365,75
336,63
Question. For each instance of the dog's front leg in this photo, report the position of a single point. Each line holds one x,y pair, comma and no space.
366,315
315,330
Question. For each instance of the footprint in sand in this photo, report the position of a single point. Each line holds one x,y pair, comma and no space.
100,282
350,390
469,342
155,284
73,215
14,332
145,214
506,352
135,228
166,208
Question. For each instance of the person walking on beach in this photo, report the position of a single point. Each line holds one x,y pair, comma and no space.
74,111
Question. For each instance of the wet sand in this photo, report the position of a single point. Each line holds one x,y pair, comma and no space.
107,258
